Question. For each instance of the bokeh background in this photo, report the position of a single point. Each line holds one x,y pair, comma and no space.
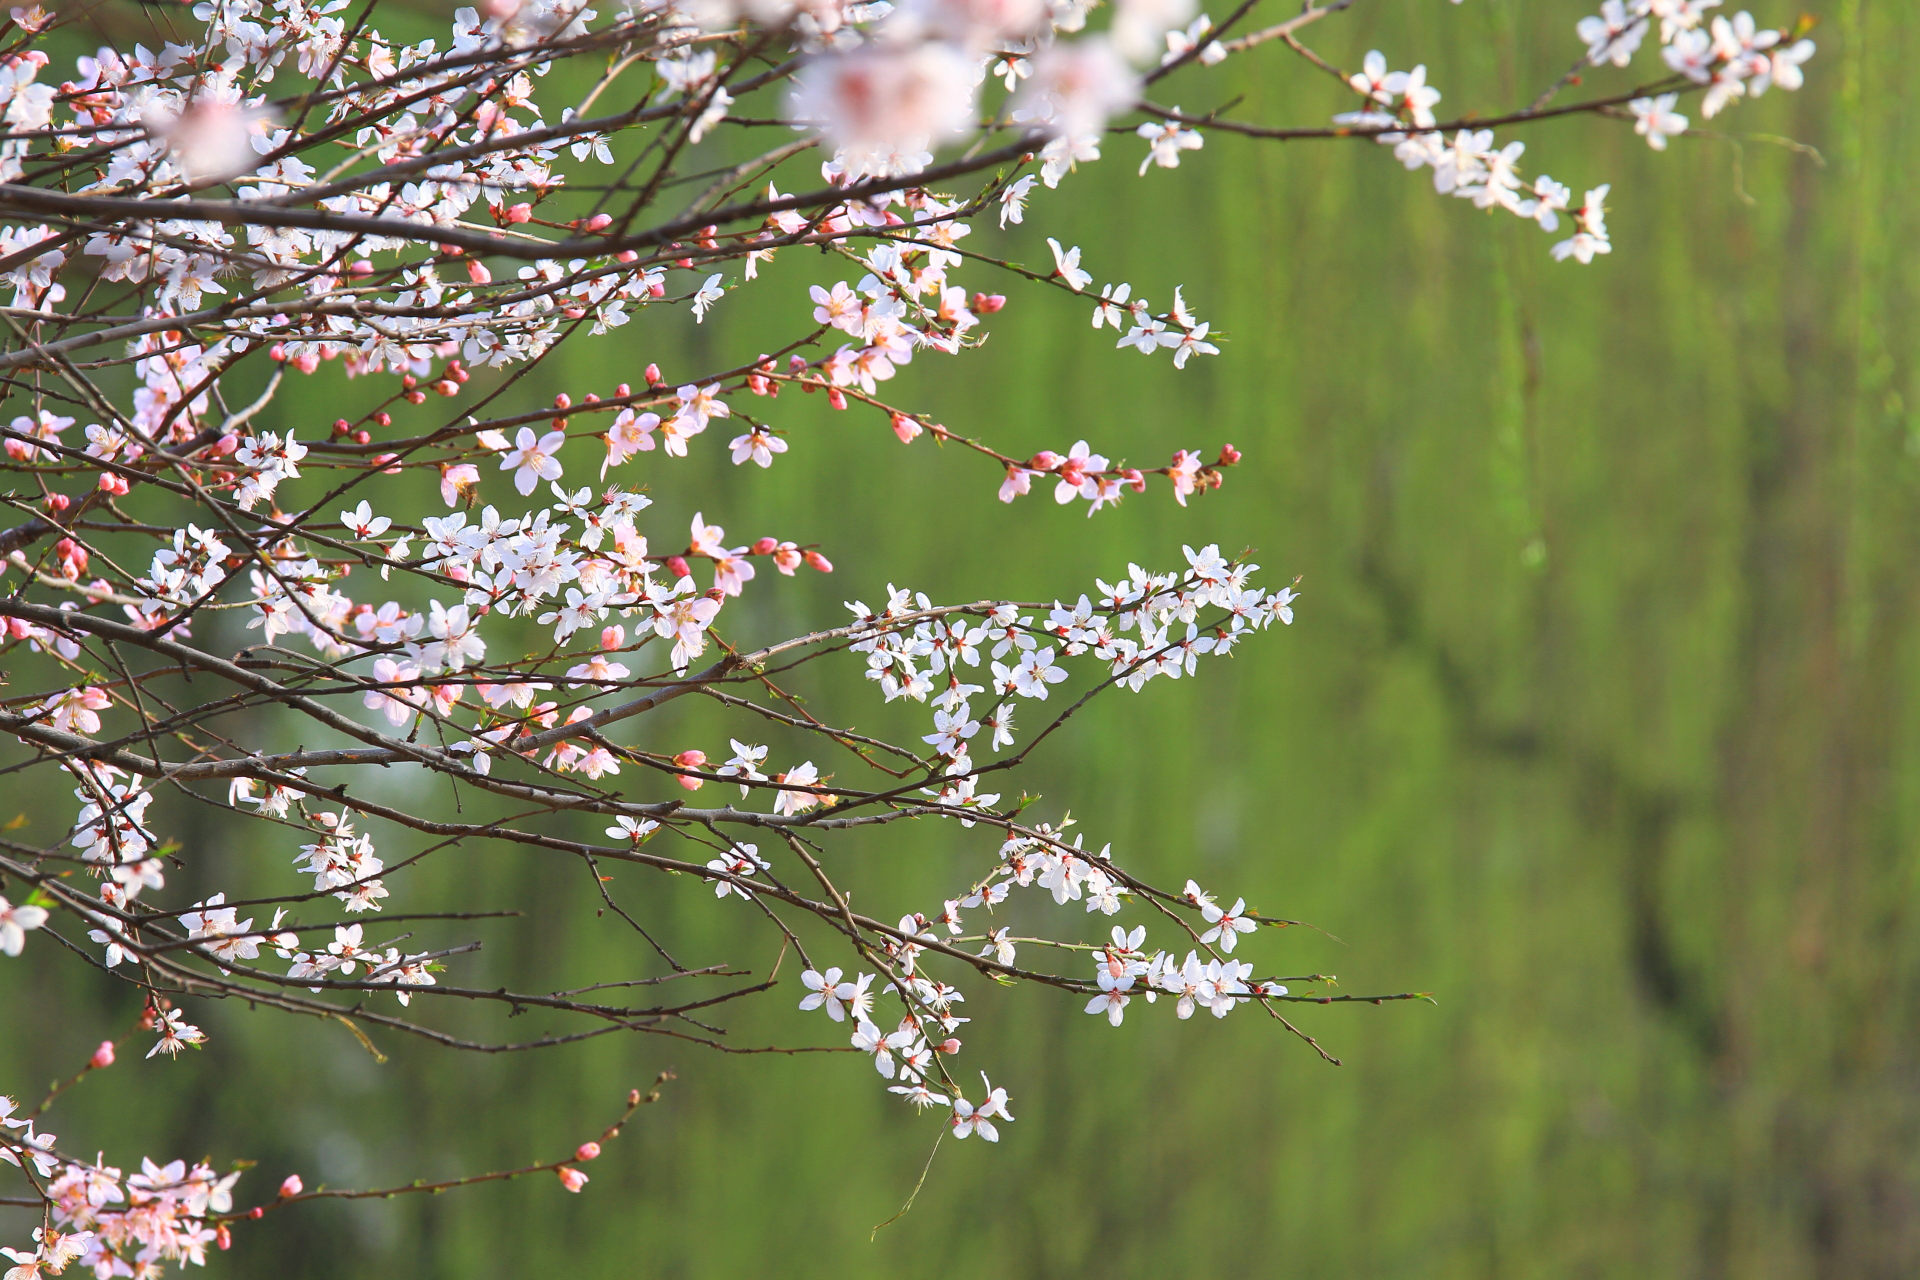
1597,721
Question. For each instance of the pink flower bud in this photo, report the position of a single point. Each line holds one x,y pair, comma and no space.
1045,460
652,375
520,213
291,1187
628,255
1228,455
836,398
103,1056
223,1237
613,637
599,222
764,547
570,1178
57,502
113,484
988,303
677,566
587,1151
691,759
256,1213
1132,478
477,272
817,561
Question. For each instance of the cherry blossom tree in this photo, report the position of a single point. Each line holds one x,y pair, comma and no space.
220,594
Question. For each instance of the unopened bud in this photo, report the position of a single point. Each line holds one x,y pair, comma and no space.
587,1151
613,637
103,1056
836,398
1228,455
988,303
291,1187
817,561
764,547
520,213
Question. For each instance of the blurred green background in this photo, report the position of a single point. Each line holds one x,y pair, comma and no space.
1597,721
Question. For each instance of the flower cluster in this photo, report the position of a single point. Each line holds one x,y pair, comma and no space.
1728,58
280,281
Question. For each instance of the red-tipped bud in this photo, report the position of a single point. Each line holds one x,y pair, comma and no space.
341,426
57,502
103,1056
677,566
291,1186
764,546
836,398
363,437
652,375
256,1213
563,401
1045,460
383,419
223,1237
